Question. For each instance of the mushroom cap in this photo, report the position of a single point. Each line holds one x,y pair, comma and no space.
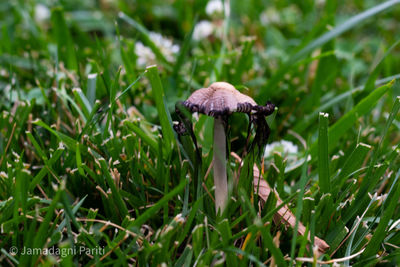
219,99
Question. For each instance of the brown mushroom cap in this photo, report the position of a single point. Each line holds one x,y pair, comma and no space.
222,99
219,99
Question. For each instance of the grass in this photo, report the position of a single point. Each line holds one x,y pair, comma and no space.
93,173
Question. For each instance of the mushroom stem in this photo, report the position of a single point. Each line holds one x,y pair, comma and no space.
219,157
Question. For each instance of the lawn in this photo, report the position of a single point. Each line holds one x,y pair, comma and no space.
101,164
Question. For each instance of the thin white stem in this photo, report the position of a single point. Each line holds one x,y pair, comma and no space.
220,177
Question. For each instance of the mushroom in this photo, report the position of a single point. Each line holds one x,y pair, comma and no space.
219,101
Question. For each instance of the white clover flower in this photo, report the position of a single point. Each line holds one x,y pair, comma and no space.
288,151
217,6
42,13
146,55
287,16
203,29
3,175
270,16
163,43
284,147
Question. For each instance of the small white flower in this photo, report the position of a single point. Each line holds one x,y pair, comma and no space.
163,42
146,55
287,16
284,147
42,13
217,6
202,30
270,16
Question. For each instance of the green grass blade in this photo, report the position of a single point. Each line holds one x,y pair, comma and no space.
349,248
41,236
122,209
347,121
144,135
73,212
345,26
373,175
131,86
91,88
79,160
161,105
36,145
323,155
66,50
113,93
90,120
69,142
389,207
308,119
66,98
299,206
326,37
69,212
157,206
185,259
251,257
370,84
352,164
191,217
83,102
367,184
269,243
55,157
8,255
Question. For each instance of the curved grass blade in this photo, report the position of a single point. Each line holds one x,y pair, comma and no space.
336,131
335,32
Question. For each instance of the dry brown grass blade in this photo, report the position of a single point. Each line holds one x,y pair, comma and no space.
284,214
